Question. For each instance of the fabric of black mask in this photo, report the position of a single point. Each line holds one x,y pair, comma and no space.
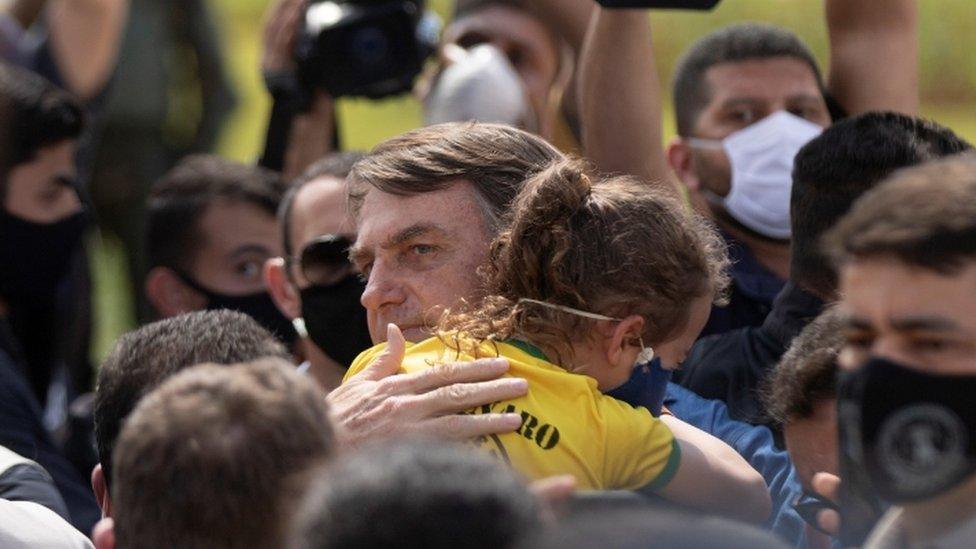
915,431
258,306
336,320
35,257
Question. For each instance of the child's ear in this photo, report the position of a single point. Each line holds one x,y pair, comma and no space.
621,344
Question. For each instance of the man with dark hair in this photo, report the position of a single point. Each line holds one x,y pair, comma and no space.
213,457
41,223
746,98
211,227
313,283
830,173
906,255
416,494
800,395
144,358
41,210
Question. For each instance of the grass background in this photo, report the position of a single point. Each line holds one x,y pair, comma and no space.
947,72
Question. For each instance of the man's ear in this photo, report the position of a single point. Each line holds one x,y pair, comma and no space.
282,291
103,535
100,487
169,295
680,160
621,349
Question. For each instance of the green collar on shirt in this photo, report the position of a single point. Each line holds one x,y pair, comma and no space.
527,348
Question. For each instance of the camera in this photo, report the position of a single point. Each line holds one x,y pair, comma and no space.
660,4
369,48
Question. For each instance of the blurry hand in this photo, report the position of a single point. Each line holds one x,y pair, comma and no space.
280,31
828,486
378,402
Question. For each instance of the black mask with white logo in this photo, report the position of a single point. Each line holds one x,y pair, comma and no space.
913,432
258,306
335,319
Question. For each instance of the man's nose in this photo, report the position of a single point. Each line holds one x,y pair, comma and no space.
382,288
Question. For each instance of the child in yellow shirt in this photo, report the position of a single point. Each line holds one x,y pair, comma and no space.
586,274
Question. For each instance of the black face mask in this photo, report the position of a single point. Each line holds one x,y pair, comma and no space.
915,432
258,306
335,319
35,257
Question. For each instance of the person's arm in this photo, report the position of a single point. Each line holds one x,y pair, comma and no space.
199,33
85,38
620,96
873,55
310,134
713,477
378,402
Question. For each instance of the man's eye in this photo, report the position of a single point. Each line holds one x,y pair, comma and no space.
807,113
930,345
249,269
423,249
858,340
743,116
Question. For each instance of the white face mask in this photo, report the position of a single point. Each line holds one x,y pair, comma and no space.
762,170
646,354
480,84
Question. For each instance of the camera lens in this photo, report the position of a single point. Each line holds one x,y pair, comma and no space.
370,46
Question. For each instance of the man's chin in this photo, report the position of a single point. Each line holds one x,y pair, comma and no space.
415,334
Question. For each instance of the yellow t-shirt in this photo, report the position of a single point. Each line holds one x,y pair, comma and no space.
568,425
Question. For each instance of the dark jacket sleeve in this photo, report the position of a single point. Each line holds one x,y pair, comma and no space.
22,432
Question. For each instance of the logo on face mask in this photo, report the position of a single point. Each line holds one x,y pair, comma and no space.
480,84
762,156
914,432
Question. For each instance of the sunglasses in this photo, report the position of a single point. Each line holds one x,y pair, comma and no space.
809,505
325,260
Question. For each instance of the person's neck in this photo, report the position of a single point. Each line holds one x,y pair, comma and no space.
929,519
771,254
326,372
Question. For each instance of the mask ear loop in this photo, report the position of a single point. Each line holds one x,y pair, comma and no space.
645,357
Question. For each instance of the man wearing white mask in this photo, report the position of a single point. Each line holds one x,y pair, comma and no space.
747,98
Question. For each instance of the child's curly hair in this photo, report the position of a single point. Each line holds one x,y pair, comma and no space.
616,247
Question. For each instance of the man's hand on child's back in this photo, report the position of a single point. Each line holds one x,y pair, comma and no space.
379,402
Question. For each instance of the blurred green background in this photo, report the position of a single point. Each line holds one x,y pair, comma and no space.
947,71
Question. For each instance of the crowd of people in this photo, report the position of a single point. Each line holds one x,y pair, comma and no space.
530,323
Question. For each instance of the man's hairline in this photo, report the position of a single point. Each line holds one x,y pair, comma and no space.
708,88
288,215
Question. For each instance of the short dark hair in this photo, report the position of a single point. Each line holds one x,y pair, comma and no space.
923,216
494,158
180,198
807,372
337,165
36,114
847,159
732,44
210,458
143,358
641,527
416,494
